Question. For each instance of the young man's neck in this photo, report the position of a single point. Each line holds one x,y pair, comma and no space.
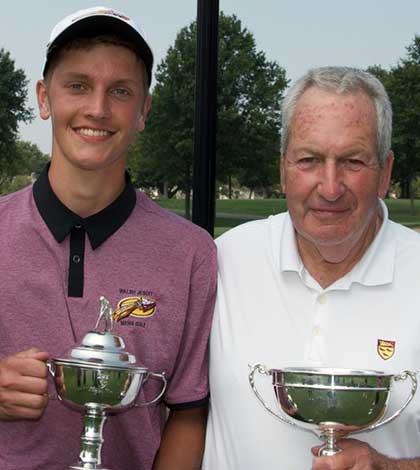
86,192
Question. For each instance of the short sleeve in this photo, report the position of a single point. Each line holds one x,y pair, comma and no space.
189,384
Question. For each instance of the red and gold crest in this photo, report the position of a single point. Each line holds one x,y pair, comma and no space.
140,306
385,348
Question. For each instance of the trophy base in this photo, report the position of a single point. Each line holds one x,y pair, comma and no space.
327,451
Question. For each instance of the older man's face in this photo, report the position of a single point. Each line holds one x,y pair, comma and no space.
330,172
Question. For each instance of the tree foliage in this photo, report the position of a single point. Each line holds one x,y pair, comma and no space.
405,96
248,105
402,83
162,156
28,164
250,89
13,110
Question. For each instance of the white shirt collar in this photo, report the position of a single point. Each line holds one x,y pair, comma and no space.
375,268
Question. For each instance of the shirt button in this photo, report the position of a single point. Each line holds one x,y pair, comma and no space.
76,259
78,226
316,331
322,299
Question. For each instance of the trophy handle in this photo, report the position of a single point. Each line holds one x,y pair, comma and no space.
403,376
261,369
160,394
52,369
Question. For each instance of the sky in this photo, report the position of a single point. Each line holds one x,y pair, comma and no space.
297,34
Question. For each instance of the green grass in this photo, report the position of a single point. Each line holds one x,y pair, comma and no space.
259,207
219,230
400,211
230,213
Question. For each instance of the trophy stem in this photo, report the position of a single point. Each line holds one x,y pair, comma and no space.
330,447
91,439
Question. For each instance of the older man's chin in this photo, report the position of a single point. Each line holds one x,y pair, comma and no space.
334,245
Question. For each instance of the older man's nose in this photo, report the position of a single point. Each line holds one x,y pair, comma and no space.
331,185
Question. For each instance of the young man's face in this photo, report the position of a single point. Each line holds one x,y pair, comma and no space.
330,172
96,100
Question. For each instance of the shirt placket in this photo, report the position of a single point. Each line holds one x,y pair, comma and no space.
76,261
315,353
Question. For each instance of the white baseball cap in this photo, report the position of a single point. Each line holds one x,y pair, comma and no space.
96,21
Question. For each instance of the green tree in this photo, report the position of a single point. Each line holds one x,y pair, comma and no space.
250,90
403,86
29,162
405,96
13,110
249,94
162,155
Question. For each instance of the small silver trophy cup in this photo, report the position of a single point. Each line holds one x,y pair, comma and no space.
332,403
99,378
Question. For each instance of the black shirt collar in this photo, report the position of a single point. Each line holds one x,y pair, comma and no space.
60,220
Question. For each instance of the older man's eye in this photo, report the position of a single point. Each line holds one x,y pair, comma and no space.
307,163
353,164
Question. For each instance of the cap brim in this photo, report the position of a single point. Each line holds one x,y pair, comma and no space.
98,25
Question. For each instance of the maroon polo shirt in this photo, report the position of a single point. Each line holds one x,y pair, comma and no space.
55,266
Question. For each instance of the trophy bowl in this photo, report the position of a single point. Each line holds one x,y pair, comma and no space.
332,403
111,387
99,378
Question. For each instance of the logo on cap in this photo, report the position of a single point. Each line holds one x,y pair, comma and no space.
105,12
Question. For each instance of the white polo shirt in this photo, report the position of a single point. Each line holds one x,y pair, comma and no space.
270,310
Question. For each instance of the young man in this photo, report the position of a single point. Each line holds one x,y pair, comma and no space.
83,231
328,283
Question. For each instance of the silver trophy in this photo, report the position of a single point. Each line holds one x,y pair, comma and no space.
99,378
332,403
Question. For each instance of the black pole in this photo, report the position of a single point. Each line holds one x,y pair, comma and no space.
204,178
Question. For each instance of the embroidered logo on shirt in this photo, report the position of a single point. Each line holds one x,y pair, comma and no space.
385,349
140,306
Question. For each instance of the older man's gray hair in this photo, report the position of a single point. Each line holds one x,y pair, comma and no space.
342,80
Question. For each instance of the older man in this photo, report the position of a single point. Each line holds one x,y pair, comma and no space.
328,283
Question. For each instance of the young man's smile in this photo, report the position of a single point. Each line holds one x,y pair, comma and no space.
99,134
